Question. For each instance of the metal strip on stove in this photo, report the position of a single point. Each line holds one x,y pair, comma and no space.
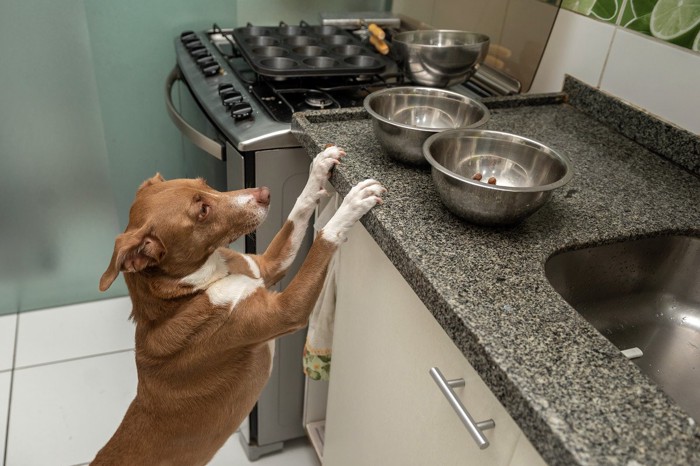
208,145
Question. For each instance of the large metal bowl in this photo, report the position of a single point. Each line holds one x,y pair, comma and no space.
440,58
404,117
526,172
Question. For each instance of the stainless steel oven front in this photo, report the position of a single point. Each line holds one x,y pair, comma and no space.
277,416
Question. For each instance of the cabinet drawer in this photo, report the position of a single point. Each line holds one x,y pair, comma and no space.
384,407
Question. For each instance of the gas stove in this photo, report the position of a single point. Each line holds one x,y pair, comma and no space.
254,110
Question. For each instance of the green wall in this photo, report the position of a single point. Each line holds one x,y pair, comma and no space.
57,207
132,50
83,123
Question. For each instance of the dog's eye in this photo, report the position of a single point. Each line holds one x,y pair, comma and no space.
203,212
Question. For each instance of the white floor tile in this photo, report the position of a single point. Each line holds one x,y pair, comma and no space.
577,46
5,379
296,453
74,331
64,413
8,325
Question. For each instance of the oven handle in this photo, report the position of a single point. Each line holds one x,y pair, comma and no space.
205,143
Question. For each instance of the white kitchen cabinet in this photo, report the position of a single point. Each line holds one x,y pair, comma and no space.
383,406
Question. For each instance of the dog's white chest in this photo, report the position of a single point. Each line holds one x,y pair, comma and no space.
221,288
232,289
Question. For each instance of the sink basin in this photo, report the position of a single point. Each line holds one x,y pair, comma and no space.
645,294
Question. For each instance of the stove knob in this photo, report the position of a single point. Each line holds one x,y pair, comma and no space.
225,87
211,70
194,44
199,52
241,110
228,98
204,61
188,36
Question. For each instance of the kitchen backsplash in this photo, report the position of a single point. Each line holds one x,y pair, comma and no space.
675,21
518,29
652,74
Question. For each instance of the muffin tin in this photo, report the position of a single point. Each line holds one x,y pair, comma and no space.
305,50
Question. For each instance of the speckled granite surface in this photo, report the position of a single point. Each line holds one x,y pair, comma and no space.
574,395
674,143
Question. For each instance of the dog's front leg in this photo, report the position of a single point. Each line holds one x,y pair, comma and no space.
296,301
283,249
273,314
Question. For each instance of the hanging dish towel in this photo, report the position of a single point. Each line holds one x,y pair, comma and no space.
319,338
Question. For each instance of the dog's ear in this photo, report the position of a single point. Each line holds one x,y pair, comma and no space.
133,252
157,178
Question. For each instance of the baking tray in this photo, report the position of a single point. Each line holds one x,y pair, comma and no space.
306,50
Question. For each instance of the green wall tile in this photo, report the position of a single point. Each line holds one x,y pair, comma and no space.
674,21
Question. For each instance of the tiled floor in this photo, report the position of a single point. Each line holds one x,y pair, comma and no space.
67,376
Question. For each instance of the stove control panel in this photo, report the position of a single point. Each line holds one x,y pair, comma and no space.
231,99
200,54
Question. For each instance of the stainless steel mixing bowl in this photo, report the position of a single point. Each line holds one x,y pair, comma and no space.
441,57
525,171
404,117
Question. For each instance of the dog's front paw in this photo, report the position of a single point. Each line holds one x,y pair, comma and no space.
318,174
324,162
315,186
361,198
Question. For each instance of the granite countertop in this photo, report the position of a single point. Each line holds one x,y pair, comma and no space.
573,394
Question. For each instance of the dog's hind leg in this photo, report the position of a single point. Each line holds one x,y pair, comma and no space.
284,247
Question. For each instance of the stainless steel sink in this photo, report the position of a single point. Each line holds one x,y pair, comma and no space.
646,294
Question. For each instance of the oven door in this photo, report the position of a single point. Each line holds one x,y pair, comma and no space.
203,147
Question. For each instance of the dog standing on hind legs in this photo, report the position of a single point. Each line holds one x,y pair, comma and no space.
205,318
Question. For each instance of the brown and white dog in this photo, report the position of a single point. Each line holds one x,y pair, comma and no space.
205,319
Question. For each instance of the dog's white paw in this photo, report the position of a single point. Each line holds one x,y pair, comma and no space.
320,171
314,189
361,198
325,160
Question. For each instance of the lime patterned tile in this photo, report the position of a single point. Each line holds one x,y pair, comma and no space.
674,21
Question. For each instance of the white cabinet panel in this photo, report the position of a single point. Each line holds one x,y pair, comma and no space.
525,454
384,407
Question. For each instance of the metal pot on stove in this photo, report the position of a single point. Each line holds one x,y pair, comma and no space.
440,58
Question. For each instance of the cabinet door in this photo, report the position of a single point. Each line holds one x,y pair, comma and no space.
384,408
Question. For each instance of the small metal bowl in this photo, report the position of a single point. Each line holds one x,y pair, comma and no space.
404,117
440,58
526,172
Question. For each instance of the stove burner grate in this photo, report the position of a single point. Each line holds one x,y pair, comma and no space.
317,99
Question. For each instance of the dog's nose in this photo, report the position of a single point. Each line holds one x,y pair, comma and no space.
262,196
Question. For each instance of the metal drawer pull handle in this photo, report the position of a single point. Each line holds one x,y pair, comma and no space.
473,427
